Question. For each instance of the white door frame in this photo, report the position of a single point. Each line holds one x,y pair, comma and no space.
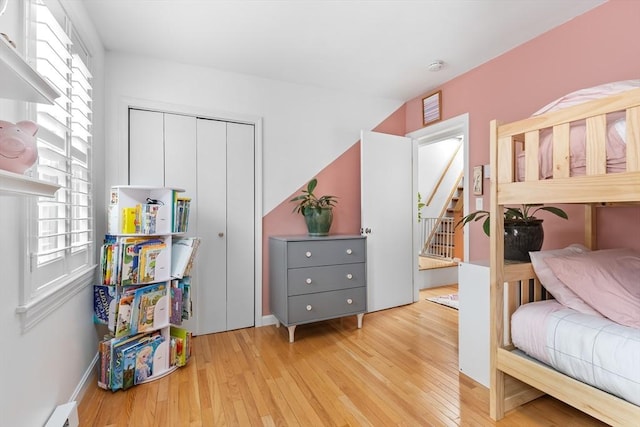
448,128
118,173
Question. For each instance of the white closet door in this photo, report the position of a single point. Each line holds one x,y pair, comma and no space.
240,225
211,304
180,172
146,148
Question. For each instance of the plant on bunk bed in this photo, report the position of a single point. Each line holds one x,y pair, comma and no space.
523,231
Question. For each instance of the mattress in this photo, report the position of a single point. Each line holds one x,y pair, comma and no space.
616,149
616,132
591,349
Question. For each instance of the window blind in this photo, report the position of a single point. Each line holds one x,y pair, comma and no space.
62,231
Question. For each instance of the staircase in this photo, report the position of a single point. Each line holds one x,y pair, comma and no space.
442,239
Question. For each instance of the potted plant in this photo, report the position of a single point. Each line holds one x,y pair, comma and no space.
317,211
523,231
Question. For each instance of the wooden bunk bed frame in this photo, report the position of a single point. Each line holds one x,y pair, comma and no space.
516,379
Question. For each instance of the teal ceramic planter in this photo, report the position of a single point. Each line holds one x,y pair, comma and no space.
318,221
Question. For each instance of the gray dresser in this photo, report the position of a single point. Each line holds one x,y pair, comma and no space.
317,278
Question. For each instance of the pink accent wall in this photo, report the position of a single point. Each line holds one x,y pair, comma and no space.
596,47
591,49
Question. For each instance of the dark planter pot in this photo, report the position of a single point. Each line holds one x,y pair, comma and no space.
318,221
522,237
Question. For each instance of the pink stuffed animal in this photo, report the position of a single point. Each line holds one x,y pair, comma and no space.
18,151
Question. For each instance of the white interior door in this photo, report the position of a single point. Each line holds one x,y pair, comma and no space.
387,218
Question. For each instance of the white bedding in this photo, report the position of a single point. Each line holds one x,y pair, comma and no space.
591,349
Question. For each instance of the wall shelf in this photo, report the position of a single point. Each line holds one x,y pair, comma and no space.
18,80
15,183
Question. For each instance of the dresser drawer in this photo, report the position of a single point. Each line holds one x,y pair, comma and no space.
327,305
326,278
310,253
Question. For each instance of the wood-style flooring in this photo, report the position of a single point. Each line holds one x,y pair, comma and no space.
401,368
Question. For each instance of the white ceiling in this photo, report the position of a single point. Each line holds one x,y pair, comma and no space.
376,47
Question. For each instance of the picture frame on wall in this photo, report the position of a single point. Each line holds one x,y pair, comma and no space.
432,108
478,172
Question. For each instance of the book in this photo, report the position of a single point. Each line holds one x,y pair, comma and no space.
181,346
130,223
150,307
104,305
175,316
123,316
148,257
118,349
148,216
144,366
183,251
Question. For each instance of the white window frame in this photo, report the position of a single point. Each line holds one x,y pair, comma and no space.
40,296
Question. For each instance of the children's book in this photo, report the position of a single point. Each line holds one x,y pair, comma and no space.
145,353
148,216
183,251
118,349
123,317
181,345
175,316
130,222
148,257
104,305
152,307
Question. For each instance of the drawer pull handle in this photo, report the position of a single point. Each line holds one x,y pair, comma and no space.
308,254
308,280
349,251
309,307
349,276
349,301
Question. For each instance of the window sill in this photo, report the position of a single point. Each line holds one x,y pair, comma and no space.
42,305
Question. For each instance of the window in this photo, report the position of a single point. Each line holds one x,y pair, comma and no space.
60,236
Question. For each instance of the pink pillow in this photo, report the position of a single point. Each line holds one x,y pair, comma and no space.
608,280
550,281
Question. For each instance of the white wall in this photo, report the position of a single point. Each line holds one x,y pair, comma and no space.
304,128
41,367
433,158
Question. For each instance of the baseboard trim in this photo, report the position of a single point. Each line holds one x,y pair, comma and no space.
269,319
88,377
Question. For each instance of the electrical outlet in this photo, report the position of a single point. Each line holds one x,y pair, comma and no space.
479,203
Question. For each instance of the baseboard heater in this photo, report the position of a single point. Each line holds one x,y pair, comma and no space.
65,415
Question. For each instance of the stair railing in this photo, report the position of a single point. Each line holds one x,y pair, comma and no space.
430,228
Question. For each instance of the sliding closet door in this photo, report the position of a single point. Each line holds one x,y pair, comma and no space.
146,148
240,225
212,225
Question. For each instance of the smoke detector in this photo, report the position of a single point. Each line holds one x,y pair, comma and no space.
436,65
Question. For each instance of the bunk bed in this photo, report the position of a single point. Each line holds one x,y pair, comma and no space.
517,378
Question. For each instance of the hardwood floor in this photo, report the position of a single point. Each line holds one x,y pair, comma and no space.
401,368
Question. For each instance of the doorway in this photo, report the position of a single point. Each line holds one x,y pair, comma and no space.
453,130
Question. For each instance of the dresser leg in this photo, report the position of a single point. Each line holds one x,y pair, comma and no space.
292,330
277,323
360,316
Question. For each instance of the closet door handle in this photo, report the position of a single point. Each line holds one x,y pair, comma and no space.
221,234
